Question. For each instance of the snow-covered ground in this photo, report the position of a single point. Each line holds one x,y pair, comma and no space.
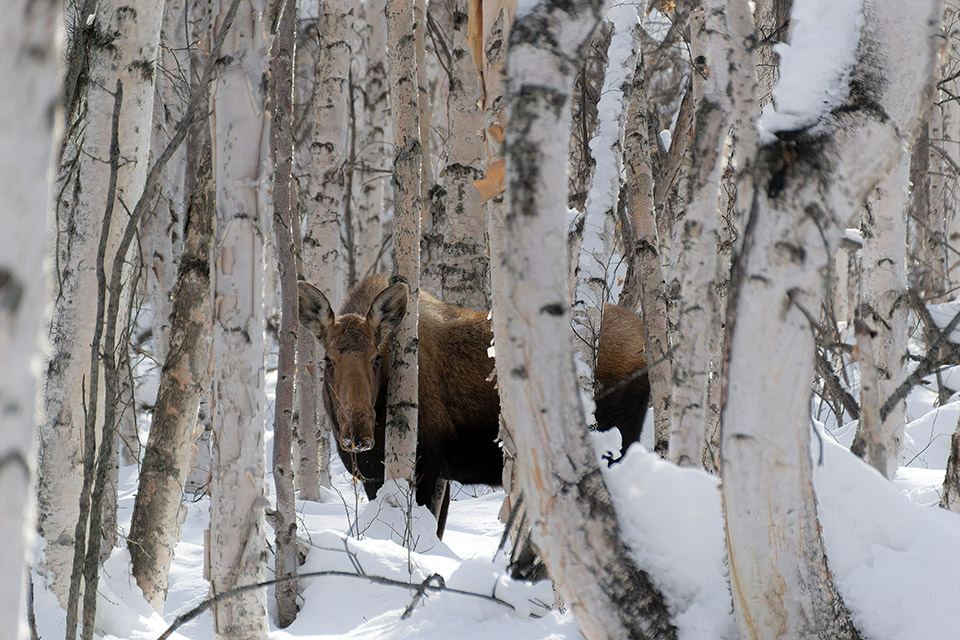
892,550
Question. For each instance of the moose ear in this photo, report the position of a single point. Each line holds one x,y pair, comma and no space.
315,311
387,309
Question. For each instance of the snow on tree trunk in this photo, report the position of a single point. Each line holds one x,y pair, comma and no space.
883,315
809,184
401,437
157,511
647,252
574,523
322,253
459,266
284,519
375,140
594,271
28,67
80,193
698,260
239,130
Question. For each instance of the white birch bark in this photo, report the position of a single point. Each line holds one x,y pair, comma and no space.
573,520
81,189
462,265
375,139
884,317
401,436
698,259
240,133
780,580
944,170
29,59
162,232
950,497
594,270
322,252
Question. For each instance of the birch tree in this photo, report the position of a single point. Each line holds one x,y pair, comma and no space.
401,438
158,510
375,140
597,246
28,68
460,268
95,66
239,131
883,320
322,253
284,518
810,181
574,522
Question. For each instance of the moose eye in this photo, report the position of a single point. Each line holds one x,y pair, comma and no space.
376,362
328,363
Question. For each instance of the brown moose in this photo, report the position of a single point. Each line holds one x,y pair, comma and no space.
458,403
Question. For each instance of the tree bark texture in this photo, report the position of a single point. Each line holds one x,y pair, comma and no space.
375,143
95,64
595,267
780,580
460,267
239,131
883,314
323,254
29,60
401,438
698,258
646,249
185,379
574,522
284,519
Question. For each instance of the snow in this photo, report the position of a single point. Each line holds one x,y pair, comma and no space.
815,65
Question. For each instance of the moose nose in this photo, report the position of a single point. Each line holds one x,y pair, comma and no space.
348,444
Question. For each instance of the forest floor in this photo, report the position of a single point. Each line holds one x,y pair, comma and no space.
892,550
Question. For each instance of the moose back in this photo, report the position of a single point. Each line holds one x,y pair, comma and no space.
458,400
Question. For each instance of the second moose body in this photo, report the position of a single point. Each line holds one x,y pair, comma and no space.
458,401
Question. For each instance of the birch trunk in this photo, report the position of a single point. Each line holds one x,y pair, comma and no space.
157,511
573,520
460,268
951,480
401,437
322,252
375,141
646,249
29,59
284,518
884,319
698,259
780,579
594,270
81,188
239,131
162,237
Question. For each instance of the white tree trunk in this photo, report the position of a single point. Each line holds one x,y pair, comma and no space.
595,265
884,318
573,520
781,584
698,260
322,252
29,60
239,131
375,141
458,270
401,438
80,192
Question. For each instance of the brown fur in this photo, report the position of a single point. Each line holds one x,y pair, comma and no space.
458,403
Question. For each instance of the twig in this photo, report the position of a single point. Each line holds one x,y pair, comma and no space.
209,602
440,584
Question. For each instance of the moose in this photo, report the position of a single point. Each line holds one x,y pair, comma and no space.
458,400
